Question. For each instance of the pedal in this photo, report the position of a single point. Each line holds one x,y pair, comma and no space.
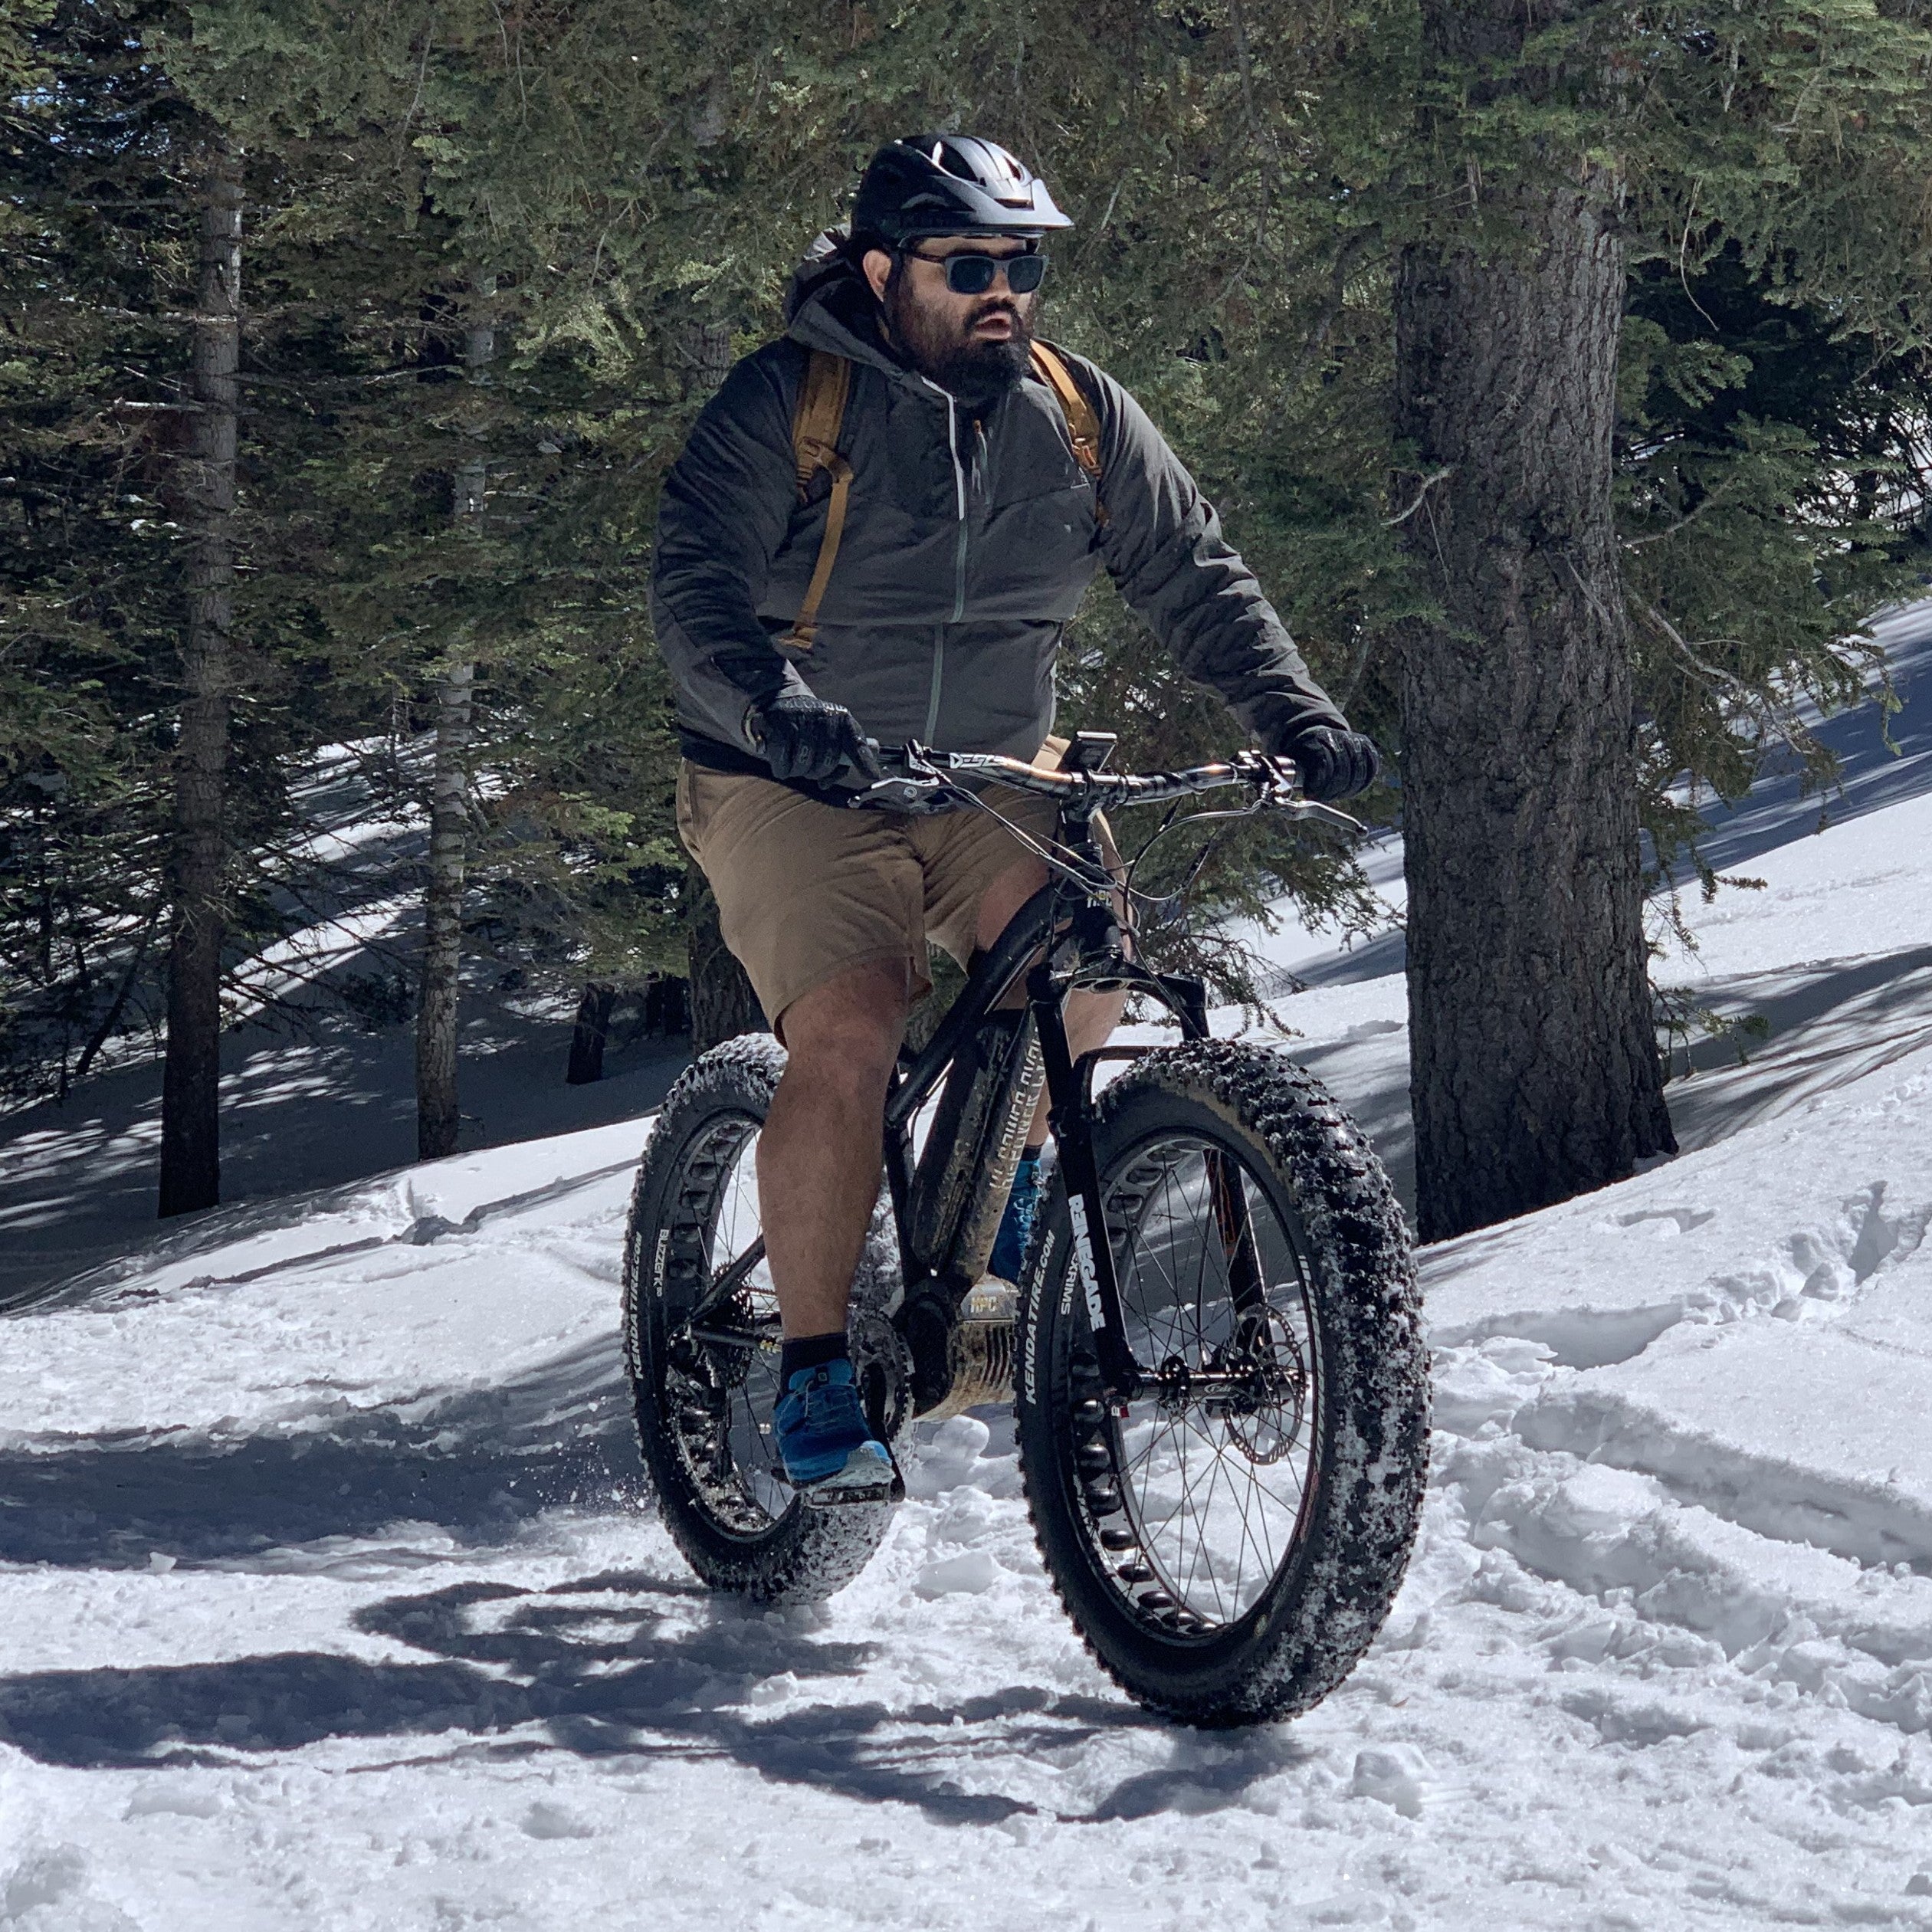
841,1499
827,1496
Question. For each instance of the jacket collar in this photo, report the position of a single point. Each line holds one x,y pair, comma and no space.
829,306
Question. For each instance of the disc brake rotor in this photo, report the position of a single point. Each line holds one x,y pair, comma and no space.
1264,1422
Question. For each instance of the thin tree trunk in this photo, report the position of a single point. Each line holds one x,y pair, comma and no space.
438,1118
722,1003
99,1037
588,1037
205,494
1535,1072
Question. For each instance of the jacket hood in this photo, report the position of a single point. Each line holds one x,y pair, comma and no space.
829,306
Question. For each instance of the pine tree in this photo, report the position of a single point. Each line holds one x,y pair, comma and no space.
203,501
1340,248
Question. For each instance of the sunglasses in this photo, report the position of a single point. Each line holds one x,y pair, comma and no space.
970,273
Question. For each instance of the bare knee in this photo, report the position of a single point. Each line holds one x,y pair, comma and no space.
842,1037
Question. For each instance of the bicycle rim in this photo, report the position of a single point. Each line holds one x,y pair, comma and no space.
1214,1493
721,1377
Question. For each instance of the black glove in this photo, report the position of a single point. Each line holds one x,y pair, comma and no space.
804,737
1334,762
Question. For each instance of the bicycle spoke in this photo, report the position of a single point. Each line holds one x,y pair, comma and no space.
1214,1486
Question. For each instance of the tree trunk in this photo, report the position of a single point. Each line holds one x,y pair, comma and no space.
722,1003
666,1006
437,1117
588,1037
1535,1072
204,490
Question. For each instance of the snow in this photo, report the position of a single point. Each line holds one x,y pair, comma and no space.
331,1593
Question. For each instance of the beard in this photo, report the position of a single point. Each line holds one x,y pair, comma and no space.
977,371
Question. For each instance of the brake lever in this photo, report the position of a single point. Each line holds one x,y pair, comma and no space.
920,787
1328,814
900,792
1280,781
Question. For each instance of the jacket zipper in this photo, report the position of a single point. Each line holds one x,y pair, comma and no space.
959,561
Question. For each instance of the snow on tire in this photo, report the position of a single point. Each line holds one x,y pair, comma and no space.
1229,1561
704,1411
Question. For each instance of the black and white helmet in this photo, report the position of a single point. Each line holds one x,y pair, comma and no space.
949,184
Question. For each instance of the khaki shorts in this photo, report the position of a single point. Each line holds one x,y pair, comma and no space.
806,890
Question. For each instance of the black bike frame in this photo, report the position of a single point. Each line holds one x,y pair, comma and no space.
1066,937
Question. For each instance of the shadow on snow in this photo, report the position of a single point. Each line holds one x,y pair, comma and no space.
625,1664
473,1465
588,1668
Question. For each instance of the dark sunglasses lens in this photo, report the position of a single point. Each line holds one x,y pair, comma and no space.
973,274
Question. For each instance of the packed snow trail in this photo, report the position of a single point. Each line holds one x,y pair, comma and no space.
331,1595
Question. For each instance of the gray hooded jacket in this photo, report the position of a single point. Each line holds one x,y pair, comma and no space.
967,547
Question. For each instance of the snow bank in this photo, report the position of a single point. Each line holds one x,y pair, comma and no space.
331,1595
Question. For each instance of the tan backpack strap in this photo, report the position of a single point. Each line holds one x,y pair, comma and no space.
815,423
1082,425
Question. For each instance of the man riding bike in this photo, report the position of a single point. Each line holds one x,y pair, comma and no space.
913,582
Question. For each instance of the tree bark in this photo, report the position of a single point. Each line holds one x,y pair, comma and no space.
588,1037
438,1119
204,492
722,1003
1535,1074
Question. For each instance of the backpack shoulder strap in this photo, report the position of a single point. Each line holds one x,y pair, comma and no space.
1083,422
816,419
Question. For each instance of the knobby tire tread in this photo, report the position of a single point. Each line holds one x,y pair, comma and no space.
807,1554
1365,1299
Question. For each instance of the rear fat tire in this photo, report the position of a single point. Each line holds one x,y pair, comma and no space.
802,1555
1329,1597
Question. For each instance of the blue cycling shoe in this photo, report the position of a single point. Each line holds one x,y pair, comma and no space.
830,1451
1016,1224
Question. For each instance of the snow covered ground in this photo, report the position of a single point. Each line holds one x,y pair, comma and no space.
330,1594
313,1094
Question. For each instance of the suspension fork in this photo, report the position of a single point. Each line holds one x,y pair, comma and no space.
1072,1137
1232,1221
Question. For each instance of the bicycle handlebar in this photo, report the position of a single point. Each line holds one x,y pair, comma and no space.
927,780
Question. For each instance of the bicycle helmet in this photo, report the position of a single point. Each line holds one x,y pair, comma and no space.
949,184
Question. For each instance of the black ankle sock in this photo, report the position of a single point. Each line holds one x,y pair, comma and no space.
811,1352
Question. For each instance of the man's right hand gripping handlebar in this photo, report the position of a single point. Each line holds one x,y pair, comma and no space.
804,737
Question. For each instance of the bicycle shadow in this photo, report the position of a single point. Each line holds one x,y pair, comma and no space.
598,1667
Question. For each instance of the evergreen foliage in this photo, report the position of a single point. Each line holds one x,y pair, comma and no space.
633,183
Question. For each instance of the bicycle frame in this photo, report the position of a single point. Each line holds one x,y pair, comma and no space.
1066,938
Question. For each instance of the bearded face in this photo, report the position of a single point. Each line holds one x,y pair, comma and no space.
974,346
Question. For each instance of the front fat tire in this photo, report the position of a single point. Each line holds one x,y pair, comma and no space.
801,1555
1330,1596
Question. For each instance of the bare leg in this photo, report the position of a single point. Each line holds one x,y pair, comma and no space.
1091,1018
820,1154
